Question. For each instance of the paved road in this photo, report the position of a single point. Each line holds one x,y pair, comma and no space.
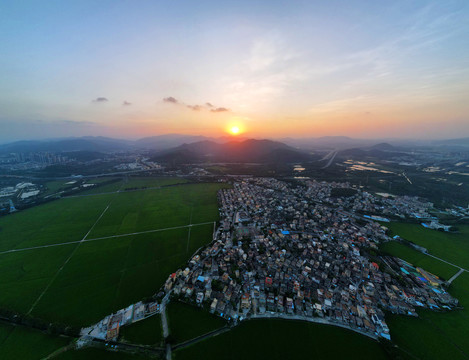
102,238
455,276
164,320
436,257
202,337
329,163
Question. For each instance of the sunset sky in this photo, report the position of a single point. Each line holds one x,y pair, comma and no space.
273,68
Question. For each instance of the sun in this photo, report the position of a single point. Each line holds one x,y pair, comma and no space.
234,130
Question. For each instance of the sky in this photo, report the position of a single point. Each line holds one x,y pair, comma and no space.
130,69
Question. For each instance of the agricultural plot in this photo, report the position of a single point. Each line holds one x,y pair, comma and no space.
18,343
104,276
124,184
97,354
81,282
58,221
187,322
145,332
158,209
277,339
436,335
433,335
451,247
435,266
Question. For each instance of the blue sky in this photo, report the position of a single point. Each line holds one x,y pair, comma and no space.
274,68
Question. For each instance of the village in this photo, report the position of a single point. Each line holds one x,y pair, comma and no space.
297,251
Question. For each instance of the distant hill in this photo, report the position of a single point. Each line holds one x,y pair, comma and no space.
85,155
88,143
327,142
383,147
168,141
454,142
247,151
380,151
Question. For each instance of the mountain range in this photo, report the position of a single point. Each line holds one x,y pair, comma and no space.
166,142
246,151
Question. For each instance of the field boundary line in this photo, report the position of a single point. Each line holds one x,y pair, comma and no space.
103,238
66,261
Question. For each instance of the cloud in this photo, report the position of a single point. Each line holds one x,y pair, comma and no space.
126,103
219,109
171,100
194,107
206,107
100,99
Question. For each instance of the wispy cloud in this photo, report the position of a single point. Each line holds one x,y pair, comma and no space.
171,100
126,103
208,106
100,100
219,109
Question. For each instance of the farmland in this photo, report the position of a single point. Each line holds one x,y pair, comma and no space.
280,339
187,322
437,267
451,247
436,335
433,335
19,343
146,332
80,282
97,354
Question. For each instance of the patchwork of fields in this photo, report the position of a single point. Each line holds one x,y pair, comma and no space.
284,339
100,252
18,343
434,335
78,283
450,247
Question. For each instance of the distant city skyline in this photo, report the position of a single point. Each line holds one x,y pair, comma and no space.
273,69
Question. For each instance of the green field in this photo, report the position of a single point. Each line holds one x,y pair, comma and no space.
436,335
58,221
80,283
145,332
433,335
55,186
97,354
284,339
187,322
129,183
450,247
444,270
19,343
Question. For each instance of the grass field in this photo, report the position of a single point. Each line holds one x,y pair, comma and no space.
187,322
451,247
55,186
82,282
97,354
157,209
433,335
19,343
145,332
55,222
444,270
284,339
128,183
